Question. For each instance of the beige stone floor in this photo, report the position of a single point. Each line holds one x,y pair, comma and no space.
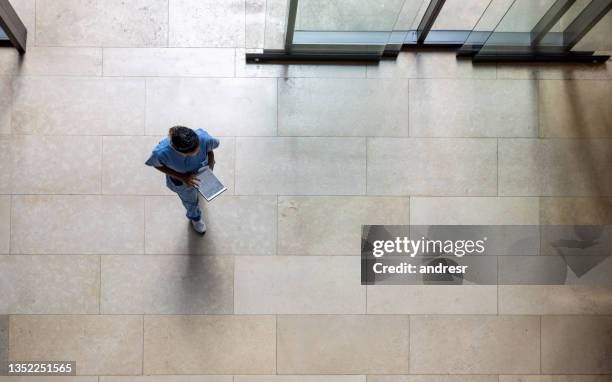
94,266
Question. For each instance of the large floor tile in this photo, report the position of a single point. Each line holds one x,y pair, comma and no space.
472,108
78,106
167,285
474,211
432,299
576,345
210,345
102,23
237,225
432,167
49,284
430,65
554,71
576,108
9,61
124,171
555,299
5,223
579,211
206,23
300,166
209,62
75,224
298,285
342,107
107,345
244,69
325,225
432,378
56,164
123,168
300,378
554,167
60,61
229,107
6,103
352,344
474,345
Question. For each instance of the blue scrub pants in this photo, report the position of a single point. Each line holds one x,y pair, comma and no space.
189,197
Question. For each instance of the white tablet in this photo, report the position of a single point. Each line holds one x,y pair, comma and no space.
209,185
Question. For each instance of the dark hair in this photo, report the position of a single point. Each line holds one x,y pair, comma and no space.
184,139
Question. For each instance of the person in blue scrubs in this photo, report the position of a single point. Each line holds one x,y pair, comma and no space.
180,155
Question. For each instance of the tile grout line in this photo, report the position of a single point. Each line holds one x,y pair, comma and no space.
540,345
276,224
277,97
11,204
144,128
101,165
100,284
168,25
144,225
276,347
235,162
498,167
143,346
8,337
409,341
366,165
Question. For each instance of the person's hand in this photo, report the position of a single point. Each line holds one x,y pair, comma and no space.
190,180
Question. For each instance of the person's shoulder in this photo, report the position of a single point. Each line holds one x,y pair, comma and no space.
162,147
204,135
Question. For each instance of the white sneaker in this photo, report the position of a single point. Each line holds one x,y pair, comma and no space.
199,226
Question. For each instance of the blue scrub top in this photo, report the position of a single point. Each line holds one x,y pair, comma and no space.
165,155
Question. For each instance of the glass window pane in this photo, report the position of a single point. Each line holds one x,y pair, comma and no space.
276,24
460,14
598,39
411,14
513,32
346,26
3,35
524,15
347,15
570,15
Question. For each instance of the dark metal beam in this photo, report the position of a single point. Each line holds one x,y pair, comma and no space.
12,26
292,14
585,21
583,57
550,18
280,57
432,12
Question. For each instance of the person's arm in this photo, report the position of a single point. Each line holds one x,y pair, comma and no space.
211,144
211,160
189,179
